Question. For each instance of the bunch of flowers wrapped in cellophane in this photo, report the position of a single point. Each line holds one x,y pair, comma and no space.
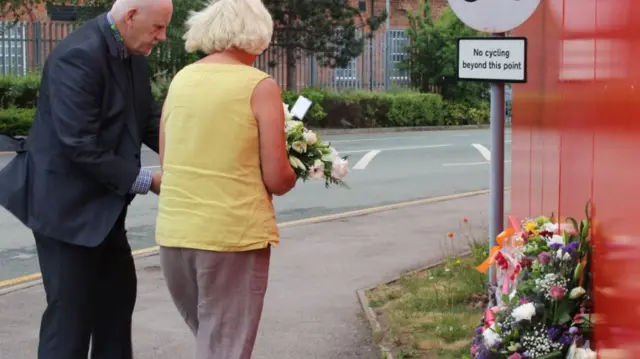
311,158
547,302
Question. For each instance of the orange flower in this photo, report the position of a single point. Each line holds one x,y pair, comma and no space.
450,235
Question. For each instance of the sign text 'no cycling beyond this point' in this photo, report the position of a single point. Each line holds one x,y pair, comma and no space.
492,59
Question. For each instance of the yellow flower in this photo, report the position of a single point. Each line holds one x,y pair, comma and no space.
530,227
458,261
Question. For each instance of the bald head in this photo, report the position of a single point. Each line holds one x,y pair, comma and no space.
142,23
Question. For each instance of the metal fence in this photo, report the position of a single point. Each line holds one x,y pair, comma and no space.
24,48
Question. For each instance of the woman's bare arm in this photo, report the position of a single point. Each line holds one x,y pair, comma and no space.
266,102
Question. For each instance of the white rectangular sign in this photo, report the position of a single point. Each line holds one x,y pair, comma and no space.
492,59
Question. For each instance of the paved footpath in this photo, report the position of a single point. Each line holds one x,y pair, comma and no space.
311,309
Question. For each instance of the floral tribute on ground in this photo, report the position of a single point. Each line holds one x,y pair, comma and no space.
311,158
545,301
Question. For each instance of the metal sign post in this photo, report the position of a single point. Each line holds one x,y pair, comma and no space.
496,60
496,184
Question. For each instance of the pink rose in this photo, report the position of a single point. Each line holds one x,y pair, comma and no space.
515,356
557,292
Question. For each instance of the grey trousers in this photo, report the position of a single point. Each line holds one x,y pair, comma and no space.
220,296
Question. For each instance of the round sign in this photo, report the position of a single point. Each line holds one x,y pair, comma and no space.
494,16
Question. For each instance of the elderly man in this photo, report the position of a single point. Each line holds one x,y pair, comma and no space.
73,179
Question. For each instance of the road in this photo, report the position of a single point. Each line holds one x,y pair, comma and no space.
386,168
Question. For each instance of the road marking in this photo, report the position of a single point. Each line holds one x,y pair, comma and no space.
331,217
406,148
483,151
364,161
469,163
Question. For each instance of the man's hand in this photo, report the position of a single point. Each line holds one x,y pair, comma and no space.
156,182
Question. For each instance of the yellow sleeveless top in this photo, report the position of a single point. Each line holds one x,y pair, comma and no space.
212,195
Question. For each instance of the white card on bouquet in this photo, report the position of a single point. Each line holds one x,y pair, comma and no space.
301,107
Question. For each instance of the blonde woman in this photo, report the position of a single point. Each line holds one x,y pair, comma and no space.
222,149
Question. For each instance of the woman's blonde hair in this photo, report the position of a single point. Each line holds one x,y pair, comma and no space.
242,24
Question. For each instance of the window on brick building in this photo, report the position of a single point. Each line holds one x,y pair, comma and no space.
349,72
12,48
398,42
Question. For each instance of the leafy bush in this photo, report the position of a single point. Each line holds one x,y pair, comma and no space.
16,121
363,109
19,91
464,113
349,109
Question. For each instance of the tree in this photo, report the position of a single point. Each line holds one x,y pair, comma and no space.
432,60
326,29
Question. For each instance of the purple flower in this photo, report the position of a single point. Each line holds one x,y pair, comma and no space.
554,333
544,257
555,246
574,330
571,247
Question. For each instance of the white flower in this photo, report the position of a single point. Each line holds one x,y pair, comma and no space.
490,336
566,257
292,125
317,170
287,114
549,227
577,292
339,168
559,253
310,137
299,146
524,312
557,239
584,353
296,163
331,156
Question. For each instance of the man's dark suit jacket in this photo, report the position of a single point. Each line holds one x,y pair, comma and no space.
83,151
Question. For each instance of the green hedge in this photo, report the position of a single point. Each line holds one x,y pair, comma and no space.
349,109
16,121
361,109
19,91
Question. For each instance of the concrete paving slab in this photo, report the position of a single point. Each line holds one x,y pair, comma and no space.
311,308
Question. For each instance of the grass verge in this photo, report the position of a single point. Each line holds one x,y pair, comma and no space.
433,313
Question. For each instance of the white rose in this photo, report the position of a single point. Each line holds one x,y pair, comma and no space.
491,337
317,170
310,137
524,312
339,168
549,227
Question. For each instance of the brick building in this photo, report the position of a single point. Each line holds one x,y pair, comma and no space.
26,46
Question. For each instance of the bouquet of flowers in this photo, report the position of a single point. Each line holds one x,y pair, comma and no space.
311,158
546,311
